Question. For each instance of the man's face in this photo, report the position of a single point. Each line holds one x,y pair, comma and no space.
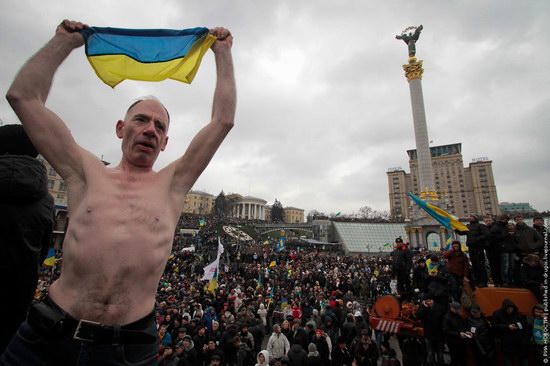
488,221
215,362
518,220
143,132
456,247
538,222
539,313
211,345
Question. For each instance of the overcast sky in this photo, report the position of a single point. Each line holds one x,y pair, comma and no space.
323,105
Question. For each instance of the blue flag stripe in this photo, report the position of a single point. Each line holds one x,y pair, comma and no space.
143,45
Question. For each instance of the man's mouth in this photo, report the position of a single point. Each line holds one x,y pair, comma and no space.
146,144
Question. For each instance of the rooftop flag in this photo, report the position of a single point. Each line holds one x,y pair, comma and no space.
117,54
442,216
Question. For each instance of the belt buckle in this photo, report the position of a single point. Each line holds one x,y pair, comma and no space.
80,323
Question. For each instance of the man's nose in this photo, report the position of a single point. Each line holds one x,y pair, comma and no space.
149,129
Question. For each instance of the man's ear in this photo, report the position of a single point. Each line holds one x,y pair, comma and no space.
119,128
163,146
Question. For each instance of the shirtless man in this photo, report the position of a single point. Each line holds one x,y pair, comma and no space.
122,219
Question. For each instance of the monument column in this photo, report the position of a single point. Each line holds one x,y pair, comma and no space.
413,72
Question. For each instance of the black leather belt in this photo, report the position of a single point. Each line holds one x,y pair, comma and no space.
48,318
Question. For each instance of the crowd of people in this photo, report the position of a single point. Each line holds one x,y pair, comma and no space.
312,307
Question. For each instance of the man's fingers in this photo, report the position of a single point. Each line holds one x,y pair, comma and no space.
72,26
220,32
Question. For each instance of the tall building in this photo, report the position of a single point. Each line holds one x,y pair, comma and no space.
463,190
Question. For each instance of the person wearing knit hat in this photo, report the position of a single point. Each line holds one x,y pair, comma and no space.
26,221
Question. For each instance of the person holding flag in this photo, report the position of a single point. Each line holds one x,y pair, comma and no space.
123,217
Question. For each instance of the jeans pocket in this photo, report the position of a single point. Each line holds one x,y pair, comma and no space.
28,334
140,354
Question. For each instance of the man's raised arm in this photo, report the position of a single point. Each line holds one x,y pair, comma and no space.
204,145
29,91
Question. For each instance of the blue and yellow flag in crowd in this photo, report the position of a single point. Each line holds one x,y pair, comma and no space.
50,258
442,216
117,54
213,284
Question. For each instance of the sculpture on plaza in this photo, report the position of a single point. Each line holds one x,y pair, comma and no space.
410,38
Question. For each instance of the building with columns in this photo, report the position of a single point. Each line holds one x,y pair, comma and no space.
250,208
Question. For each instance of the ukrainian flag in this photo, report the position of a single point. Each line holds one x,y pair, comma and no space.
117,54
442,216
213,284
50,258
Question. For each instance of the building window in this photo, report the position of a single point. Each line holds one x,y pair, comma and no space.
50,184
62,186
52,172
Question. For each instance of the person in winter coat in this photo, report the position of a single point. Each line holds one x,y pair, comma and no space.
420,277
457,269
401,267
482,341
437,281
262,358
244,353
510,327
529,240
321,342
189,352
477,241
313,356
505,242
389,356
297,356
278,344
539,332
531,275
456,334
341,355
26,222
538,225
366,352
349,331
431,313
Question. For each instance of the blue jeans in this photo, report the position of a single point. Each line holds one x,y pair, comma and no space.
28,347
507,268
